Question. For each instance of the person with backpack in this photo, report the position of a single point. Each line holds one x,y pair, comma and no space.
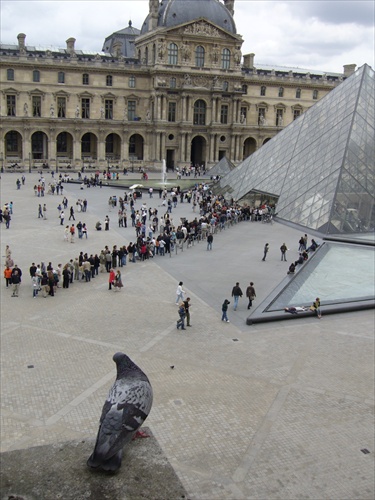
182,314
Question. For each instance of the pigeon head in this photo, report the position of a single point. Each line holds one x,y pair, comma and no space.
124,363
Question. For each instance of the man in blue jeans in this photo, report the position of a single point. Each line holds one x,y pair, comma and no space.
236,294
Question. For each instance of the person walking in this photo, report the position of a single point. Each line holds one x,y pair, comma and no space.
283,250
111,278
118,281
266,248
224,309
16,280
179,293
8,276
210,239
72,233
182,314
106,223
236,294
62,217
250,294
45,212
40,211
187,306
71,216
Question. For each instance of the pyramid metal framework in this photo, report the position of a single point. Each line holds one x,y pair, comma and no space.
321,168
222,168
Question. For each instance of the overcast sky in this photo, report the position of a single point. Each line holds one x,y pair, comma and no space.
320,34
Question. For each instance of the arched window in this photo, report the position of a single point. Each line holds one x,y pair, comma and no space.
263,90
298,93
199,112
199,56
172,54
36,76
315,94
146,55
10,74
153,54
281,91
225,59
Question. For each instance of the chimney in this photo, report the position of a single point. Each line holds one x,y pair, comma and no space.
21,42
248,61
70,45
153,13
116,48
349,69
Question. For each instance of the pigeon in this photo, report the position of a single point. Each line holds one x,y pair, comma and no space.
127,406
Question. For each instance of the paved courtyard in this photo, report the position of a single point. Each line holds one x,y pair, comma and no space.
269,411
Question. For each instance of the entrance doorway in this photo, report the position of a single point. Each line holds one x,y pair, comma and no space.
198,153
170,160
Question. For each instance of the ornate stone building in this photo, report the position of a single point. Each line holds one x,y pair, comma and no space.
178,89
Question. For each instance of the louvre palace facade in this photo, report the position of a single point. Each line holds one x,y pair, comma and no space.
179,89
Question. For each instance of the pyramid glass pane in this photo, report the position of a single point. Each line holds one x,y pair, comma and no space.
322,165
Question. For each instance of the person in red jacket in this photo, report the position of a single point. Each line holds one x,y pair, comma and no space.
111,278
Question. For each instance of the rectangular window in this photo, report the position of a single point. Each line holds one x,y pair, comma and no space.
11,105
10,75
298,93
243,115
315,94
296,113
85,79
109,80
85,108
132,106
172,112
224,114
61,77
61,107
108,103
263,90
37,105
36,76
131,82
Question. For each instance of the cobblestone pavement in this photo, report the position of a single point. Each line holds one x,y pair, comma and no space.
270,411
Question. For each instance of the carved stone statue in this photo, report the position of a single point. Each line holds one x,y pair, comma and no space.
148,115
185,51
187,79
52,111
102,112
77,111
26,109
161,49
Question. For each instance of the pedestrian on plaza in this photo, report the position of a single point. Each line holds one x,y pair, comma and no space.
266,249
62,217
182,315
292,268
51,283
84,230
283,250
44,285
18,184
111,278
45,211
150,191
210,239
106,223
187,306
66,276
118,281
316,308
8,256
72,233
301,244
16,280
250,294
236,294
40,211
71,216
224,309
23,178
179,293
8,276
35,286
66,233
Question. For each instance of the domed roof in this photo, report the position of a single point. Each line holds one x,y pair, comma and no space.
176,12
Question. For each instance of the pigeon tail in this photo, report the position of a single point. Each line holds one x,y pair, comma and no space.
112,464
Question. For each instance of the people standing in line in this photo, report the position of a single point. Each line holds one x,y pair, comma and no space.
179,293
8,276
44,284
51,283
250,294
210,240
224,309
316,307
187,306
283,250
236,294
182,314
16,280
265,251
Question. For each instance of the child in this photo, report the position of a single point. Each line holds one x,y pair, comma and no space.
224,308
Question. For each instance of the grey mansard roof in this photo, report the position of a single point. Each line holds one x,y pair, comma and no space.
176,12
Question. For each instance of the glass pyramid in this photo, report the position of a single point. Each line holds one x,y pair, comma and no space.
321,167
